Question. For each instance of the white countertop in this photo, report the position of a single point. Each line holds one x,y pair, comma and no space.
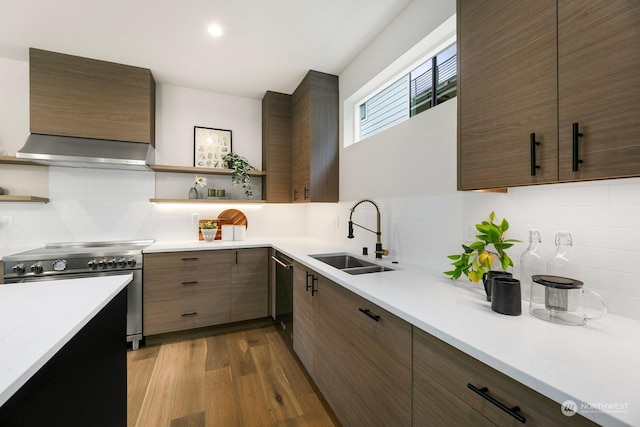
597,365
38,318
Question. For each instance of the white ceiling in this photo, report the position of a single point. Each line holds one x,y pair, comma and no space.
267,44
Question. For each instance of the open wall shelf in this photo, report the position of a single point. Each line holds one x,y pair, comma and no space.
202,171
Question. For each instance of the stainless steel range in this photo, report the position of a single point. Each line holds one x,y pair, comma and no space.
80,260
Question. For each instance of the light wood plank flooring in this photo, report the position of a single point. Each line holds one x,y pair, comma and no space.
245,378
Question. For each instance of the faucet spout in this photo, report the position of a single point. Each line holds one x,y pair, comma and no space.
379,251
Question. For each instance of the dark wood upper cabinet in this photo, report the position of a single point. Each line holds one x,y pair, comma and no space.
314,137
81,97
276,147
539,67
506,91
599,88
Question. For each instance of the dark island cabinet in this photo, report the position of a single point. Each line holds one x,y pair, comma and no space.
84,383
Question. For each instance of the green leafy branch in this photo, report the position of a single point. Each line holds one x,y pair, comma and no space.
477,258
240,168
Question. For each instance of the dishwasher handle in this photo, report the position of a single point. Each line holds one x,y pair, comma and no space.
276,259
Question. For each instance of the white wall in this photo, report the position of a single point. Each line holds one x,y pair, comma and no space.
410,171
180,109
14,129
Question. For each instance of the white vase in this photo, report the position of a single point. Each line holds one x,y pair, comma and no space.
209,234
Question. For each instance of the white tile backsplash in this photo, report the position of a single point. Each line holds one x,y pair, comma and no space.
603,218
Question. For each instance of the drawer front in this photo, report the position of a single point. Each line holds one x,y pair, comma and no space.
164,284
434,405
455,370
181,314
186,261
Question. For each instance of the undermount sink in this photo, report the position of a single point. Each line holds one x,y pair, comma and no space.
350,264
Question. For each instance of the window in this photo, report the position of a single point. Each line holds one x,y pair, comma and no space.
410,94
385,109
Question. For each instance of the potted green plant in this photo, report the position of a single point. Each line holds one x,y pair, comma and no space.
240,168
478,257
209,230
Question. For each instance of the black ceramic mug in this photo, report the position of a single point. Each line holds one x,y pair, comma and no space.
506,296
486,280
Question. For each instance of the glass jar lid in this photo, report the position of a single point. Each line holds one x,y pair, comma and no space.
557,282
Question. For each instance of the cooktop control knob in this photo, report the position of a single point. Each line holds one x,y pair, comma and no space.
19,268
37,268
122,262
60,265
112,262
102,263
131,262
92,264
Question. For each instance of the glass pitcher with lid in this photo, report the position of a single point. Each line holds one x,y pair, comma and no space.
562,300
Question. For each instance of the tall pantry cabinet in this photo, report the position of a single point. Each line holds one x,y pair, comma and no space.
548,92
314,139
276,147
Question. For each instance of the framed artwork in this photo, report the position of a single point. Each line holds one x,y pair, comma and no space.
210,145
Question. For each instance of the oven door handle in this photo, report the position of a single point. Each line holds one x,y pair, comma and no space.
276,259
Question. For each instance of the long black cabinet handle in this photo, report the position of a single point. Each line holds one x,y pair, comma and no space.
368,313
191,282
193,313
484,392
307,281
533,143
306,192
576,145
314,288
194,258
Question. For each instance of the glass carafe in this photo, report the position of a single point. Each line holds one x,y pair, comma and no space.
532,262
562,264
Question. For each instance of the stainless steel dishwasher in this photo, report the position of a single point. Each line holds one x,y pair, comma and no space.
284,296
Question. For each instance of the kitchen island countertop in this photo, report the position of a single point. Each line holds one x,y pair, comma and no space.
595,365
38,318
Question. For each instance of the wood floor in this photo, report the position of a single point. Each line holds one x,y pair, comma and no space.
246,378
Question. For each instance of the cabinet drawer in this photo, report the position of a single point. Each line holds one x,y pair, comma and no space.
186,261
437,361
435,405
187,313
163,284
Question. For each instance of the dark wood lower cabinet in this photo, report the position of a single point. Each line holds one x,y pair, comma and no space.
249,284
193,289
84,384
442,395
358,354
363,359
375,369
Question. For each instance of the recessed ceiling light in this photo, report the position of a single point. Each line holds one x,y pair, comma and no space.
215,30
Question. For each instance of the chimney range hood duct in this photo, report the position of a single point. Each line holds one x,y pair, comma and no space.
89,153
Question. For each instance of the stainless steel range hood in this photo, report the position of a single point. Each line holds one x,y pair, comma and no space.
90,153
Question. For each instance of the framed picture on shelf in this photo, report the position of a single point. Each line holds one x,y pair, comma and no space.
210,145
